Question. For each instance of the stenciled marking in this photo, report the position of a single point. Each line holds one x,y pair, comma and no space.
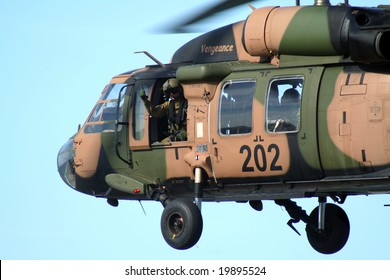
261,158
217,49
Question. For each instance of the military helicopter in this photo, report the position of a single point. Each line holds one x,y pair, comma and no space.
287,104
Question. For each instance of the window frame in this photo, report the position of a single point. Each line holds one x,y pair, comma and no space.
220,108
299,81
98,123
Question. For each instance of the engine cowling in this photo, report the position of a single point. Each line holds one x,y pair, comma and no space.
359,33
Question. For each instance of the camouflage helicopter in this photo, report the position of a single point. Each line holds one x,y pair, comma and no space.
287,104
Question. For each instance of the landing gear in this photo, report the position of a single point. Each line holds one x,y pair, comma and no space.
181,220
335,233
327,227
181,224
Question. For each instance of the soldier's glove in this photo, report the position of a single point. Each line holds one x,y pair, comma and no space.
142,94
181,136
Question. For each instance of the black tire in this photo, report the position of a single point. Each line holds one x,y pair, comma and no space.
181,224
336,233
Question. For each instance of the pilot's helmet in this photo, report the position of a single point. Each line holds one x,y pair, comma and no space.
172,85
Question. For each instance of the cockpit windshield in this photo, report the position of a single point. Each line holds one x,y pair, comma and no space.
103,116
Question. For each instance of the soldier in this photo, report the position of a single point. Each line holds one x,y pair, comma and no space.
290,103
175,108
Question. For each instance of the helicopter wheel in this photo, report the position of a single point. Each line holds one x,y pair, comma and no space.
336,232
181,224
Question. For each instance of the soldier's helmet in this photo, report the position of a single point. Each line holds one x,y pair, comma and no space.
290,96
172,85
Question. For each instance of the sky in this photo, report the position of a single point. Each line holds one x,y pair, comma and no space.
55,58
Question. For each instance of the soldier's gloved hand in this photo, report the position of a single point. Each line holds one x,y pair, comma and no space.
181,136
142,94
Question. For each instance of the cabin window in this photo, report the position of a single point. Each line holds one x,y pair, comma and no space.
102,118
235,107
284,105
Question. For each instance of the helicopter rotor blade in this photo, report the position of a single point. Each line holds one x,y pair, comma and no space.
211,11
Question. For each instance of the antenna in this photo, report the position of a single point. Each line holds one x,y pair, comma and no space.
153,58
140,203
250,6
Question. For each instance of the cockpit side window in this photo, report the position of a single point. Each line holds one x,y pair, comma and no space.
235,107
284,104
138,123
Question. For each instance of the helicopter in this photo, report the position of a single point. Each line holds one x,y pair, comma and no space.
289,103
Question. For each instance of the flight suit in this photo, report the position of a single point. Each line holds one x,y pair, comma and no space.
176,111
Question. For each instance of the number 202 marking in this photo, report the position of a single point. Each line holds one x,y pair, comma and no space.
260,157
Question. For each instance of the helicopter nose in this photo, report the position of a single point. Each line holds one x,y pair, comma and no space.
65,164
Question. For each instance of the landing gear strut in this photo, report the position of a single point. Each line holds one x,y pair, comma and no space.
327,226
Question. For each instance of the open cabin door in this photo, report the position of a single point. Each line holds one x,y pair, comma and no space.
259,134
154,158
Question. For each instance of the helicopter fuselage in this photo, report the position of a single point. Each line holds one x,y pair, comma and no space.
241,135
